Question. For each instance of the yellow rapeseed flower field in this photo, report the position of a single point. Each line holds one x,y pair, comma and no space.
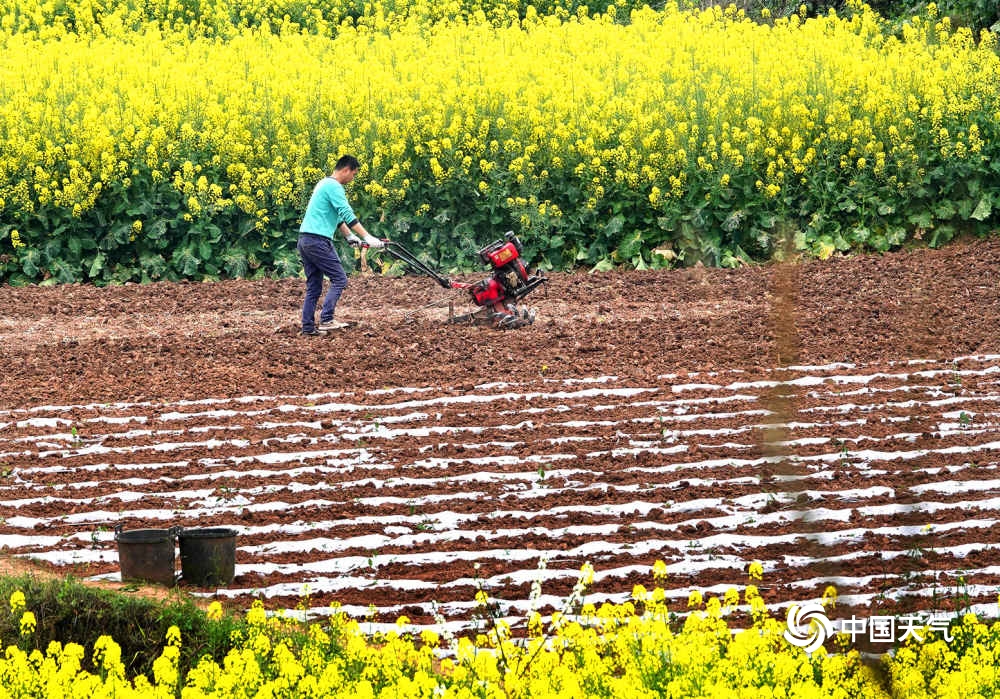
137,149
638,648
612,651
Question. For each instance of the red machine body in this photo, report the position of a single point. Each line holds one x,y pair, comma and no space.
510,279
507,252
487,292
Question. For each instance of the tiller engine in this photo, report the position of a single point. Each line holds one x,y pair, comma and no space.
498,295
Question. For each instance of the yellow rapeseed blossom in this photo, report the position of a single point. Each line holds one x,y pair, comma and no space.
659,571
28,623
257,616
214,611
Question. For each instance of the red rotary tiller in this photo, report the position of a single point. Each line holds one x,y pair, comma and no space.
496,296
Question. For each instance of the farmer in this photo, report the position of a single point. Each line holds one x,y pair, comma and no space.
327,212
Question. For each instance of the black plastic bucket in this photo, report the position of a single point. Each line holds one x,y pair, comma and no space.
208,556
147,555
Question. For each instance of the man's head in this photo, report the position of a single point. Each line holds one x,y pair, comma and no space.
346,168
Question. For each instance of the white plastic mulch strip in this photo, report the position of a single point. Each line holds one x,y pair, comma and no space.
704,471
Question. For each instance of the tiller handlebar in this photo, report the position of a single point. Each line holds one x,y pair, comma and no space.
416,265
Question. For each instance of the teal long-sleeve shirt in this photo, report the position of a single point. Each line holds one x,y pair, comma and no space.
327,209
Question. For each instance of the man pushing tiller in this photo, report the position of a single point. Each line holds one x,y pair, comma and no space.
328,211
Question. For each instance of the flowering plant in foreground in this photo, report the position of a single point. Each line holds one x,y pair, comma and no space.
638,648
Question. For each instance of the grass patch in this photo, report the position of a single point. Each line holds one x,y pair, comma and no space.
68,611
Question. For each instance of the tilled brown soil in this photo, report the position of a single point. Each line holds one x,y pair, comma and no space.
836,421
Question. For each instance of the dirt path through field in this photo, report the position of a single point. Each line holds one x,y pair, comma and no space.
164,341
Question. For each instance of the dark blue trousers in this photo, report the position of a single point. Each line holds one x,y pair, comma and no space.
319,258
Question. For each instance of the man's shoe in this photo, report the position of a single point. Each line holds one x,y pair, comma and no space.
316,332
329,325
